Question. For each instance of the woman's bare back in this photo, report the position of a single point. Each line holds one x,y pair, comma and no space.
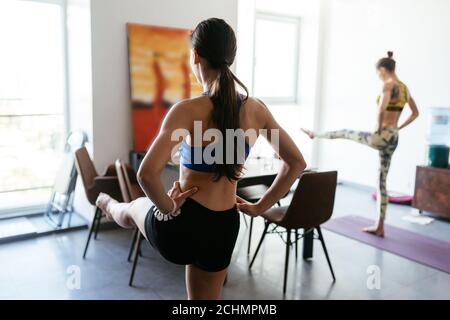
391,118
221,194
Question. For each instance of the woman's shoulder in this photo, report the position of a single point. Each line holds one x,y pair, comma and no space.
255,111
190,105
198,106
389,86
255,104
402,84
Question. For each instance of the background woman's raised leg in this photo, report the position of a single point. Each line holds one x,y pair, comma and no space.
362,137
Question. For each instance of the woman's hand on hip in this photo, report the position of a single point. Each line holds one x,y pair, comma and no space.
178,196
251,209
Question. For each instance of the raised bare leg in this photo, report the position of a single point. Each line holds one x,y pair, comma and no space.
126,215
204,285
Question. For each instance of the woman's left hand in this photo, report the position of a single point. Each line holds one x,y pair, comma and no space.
178,196
251,209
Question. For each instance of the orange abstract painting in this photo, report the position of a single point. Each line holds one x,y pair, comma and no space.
160,76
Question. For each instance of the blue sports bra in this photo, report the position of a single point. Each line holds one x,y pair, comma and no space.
187,152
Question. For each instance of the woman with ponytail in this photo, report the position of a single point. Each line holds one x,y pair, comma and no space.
197,222
395,95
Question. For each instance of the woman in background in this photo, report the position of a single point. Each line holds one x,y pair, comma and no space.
395,95
196,224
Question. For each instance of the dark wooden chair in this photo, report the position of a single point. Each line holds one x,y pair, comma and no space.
94,184
131,190
252,194
311,206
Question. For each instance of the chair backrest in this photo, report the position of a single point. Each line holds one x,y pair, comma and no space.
313,200
124,181
85,167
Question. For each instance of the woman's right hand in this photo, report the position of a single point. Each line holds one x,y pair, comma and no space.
251,209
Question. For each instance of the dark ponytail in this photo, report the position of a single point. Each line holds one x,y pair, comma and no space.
387,62
215,41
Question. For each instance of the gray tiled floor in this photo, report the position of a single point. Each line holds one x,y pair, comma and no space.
36,268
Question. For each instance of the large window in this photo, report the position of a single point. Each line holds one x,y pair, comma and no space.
32,99
276,47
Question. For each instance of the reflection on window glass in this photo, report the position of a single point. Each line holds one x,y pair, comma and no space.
276,55
31,98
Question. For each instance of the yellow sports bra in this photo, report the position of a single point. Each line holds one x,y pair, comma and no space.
399,97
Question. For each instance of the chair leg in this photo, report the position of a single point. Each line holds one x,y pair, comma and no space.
296,244
245,220
250,235
133,242
322,240
286,263
260,242
135,258
308,243
91,230
97,227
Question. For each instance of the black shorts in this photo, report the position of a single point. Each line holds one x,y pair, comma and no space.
197,236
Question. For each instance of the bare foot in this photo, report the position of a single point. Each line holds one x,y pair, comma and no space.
376,230
308,132
115,211
102,203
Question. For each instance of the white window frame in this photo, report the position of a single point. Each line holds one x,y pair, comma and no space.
65,50
39,208
260,15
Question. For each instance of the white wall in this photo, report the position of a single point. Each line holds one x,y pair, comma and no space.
356,34
112,114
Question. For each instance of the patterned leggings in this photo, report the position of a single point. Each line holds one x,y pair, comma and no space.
386,143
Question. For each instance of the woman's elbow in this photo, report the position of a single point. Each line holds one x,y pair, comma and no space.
298,165
140,178
143,177
302,165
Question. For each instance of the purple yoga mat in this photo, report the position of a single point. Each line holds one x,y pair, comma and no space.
422,249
